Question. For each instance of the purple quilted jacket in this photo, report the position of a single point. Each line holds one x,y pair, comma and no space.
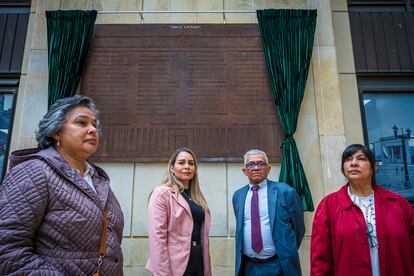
51,220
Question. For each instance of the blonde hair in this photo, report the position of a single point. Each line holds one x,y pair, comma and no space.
171,181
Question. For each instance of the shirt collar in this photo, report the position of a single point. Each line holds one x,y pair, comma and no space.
89,170
261,184
380,193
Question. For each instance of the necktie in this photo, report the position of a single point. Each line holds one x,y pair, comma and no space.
257,243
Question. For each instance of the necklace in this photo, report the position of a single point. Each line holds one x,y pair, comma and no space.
350,191
367,207
187,196
366,203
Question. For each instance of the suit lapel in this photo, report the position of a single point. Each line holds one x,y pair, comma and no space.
271,202
241,200
181,201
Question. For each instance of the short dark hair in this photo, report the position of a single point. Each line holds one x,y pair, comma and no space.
351,149
54,119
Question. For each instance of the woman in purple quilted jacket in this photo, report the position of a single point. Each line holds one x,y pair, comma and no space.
53,200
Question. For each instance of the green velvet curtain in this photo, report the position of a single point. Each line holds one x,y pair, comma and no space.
68,35
287,39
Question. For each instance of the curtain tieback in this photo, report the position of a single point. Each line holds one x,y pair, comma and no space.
287,140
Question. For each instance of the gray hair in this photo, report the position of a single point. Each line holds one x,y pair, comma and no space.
255,152
54,119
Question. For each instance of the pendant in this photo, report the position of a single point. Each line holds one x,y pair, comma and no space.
189,198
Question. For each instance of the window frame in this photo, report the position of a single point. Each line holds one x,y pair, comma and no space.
380,5
382,85
9,87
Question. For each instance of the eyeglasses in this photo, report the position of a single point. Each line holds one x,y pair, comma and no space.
259,165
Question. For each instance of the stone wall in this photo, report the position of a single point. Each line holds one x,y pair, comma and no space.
323,127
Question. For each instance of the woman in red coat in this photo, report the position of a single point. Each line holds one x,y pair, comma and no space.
362,229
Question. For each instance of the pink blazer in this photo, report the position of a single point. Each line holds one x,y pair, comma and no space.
170,225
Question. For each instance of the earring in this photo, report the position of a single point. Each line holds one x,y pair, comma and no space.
58,143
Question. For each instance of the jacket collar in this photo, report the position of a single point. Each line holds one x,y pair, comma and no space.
55,160
380,194
181,200
271,203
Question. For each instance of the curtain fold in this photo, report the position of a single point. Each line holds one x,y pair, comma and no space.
287,40
68,35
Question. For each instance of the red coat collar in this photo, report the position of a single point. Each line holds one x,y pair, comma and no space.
380,194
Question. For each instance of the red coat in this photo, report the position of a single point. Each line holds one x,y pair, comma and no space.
339,244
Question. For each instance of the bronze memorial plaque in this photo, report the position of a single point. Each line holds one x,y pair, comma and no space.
159,87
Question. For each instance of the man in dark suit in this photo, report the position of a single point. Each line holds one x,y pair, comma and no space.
269,222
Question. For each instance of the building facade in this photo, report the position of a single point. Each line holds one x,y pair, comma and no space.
330,116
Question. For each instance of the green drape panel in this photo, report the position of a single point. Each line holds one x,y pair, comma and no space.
287,39
68,36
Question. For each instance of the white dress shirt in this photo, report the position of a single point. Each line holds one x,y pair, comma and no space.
367,206
87,176
268,246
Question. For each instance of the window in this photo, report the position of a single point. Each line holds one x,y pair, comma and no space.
380,5
384,65
7,97
14,16
389,121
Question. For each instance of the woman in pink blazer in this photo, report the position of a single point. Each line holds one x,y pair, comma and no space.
179,221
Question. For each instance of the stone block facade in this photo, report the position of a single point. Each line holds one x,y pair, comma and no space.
323,129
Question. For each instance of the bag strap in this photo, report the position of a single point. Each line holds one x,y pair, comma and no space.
102,248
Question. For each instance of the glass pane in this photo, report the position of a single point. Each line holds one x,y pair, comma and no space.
389,120
6,105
